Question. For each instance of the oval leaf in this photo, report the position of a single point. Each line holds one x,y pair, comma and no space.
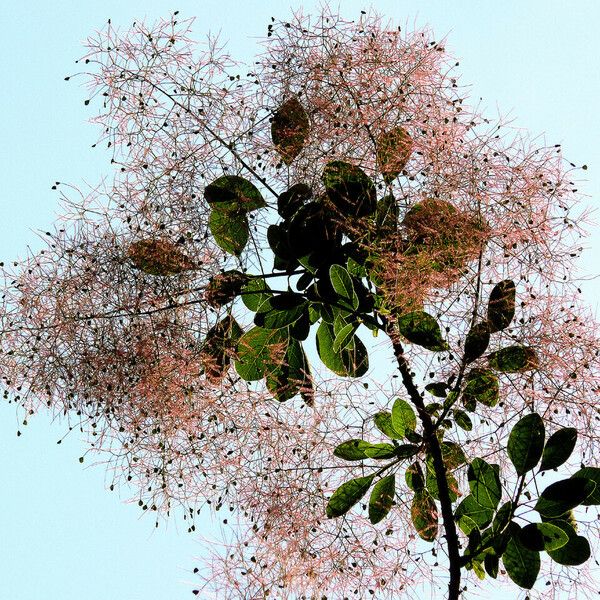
522,565
230,230
421,328
514,359
501,306
351,450
575,552
289,129
543,536
593,474
403,417
258,350
481,385
232,193
382,498
383,422
484,482
477,341
526,443
347,495
424,516
349,189
558,448
561,496
393,151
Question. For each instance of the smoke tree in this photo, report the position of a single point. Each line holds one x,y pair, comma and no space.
328,298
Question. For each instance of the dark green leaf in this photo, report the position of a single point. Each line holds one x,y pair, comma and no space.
501,306
439,390
289,129
514,359
382,498
259,350
575,552
383,422
424,515
526,443
393,151
481,385
406,450
543,536
290,201
558,448
477,341
301,328
421,328
232,194
270,317
522,565
292,376
347,495
350,362
491,563
386,216
403,417
433,488
562,496
230,230
503,517
349,189
462,419
484,482
592,474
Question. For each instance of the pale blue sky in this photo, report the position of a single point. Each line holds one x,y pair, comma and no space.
63,536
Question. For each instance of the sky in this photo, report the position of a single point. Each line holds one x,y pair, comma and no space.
64,536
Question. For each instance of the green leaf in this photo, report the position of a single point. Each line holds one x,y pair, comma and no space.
501,306
477,341
433,488
350,362
344,338
438,389
383,422
394,148
342,284
292,376
462,419
230,230
289,129
255,293
380,451
592,474
424,515
350,190
558,448
514,359
421,328
403,417
575,552
484,482
481,385
351,450
503,517
414,477
232,194
562,496
491,563
382,498
543,536
477,515
347,495
522,565
526,443
258,350
280,311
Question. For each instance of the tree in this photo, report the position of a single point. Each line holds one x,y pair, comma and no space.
341,192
